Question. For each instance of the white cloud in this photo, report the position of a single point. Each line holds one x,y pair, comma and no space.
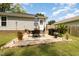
71,4
60,11
64,9
69,16
61,4
66,16
67,11
76,11
56,3
53,8
67,7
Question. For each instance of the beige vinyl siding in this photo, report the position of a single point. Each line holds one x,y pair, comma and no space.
22,23
73,27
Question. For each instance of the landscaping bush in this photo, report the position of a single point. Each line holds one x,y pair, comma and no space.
67,36
62,29
60,35
19,35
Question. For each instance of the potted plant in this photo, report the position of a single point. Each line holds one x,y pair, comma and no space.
19,35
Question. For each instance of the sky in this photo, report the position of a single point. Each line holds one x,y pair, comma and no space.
54,11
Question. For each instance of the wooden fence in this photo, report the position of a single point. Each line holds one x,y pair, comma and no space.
74,30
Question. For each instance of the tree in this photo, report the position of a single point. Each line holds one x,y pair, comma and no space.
18,9
39,14
51,22
14,8
5,7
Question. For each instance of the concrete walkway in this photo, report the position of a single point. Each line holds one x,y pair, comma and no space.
33,41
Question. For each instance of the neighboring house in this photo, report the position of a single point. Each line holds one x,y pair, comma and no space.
18,21
49,27
72,25
52,26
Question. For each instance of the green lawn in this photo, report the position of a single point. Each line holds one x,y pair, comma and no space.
53,49
6,37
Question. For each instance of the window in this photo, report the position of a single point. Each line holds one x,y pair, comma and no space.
2,9
3,21
36,24
41,21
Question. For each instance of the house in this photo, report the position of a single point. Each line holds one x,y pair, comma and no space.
50,29
19,21
72,25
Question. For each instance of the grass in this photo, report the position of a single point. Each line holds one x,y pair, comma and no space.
53,49
6,37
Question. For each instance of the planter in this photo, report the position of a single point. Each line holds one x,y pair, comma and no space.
19,35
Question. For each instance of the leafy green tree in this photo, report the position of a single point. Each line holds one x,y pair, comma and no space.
51,22
39,14
18,9
5,7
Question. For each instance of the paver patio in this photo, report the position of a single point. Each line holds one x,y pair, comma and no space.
29,40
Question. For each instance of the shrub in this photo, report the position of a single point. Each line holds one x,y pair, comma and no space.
19,35
60,35
67,36
62,29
